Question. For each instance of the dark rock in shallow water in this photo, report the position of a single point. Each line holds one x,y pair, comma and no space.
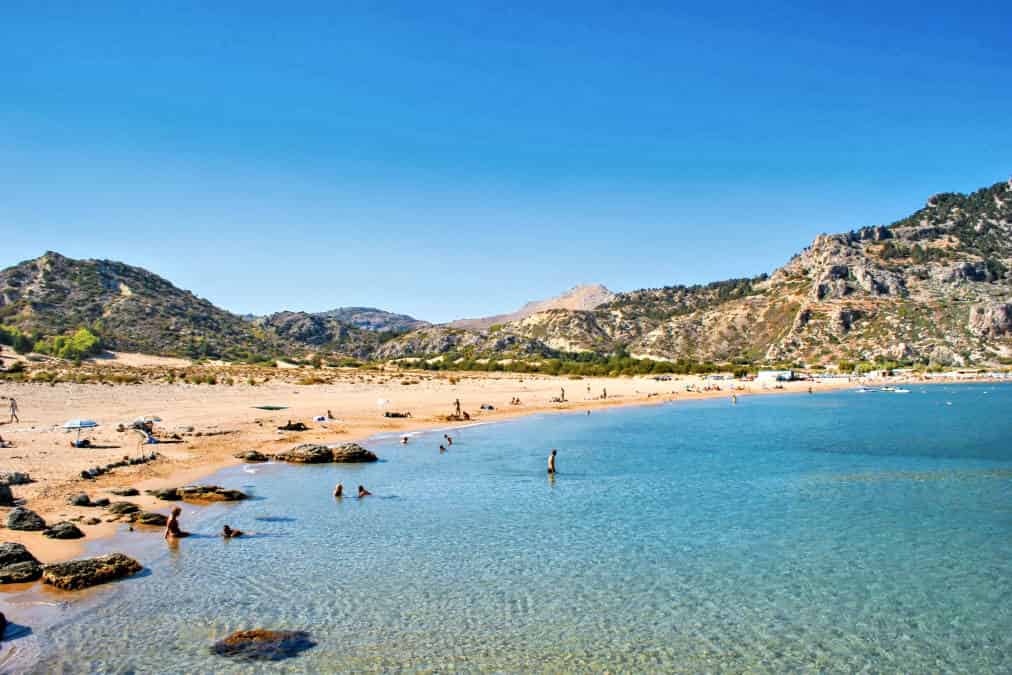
307,453
252,456
123,508
167,494
79,500
311,453
76,574
264,645
352,452
17,564
124,492
6,496
63,530
24,519
210,493
149,518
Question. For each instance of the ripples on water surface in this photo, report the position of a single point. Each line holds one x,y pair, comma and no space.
835,532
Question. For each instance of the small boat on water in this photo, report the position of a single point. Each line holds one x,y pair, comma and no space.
887,388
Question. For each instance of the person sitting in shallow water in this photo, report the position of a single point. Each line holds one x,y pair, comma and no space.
362,492
339,491
404,440
228,533
172,530
442,448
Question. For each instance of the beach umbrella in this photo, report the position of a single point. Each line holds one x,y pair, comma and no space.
80,424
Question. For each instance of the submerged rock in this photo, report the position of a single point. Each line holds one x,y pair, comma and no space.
123,508
25,519
63,530
17,564
76,574
264,645
252,456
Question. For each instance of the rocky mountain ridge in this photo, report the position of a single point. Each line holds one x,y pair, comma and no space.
583,297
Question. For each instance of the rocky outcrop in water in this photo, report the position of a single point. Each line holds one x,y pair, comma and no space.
151,518
252,456
25,519
199,493
312,453
263,645
17,564
77,574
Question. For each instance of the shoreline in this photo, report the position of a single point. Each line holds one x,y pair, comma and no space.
162,474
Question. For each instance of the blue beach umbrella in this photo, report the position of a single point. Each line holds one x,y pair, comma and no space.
80,424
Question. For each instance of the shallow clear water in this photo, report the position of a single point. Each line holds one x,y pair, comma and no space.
836,532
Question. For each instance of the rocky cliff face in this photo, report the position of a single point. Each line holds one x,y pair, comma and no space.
579,298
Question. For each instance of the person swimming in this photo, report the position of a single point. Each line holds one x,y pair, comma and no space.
172,530
362,492
228,533
449,440
551,462
404,440
339,491
442,448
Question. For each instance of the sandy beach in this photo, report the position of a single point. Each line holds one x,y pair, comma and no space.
214,422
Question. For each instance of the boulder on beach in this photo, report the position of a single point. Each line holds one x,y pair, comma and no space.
63,530
210,493
6,496
79,500
101,502
17,564
312,453
151,518
263,645
76,574
92,521
25,519
124,492
123,508
252,456
15,478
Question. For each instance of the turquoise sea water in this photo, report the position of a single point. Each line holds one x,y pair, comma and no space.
835,532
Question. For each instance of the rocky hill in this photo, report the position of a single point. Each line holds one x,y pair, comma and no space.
932,288
370,318
578,298
131,308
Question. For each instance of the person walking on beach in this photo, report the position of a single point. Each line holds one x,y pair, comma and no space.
563,396
551,462
604,392
172,530
456,404
14,411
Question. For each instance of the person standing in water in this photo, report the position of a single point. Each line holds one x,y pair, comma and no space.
362,492
551,462
449,440
734,399
339,491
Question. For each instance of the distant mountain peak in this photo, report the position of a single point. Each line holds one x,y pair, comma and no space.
583,297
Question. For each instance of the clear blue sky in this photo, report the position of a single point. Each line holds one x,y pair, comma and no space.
459,160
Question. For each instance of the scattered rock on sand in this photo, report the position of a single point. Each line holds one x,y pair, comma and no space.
6,496
123,508
76,574
92,521
15,478
63,530
79,500
101,502
17,564
252,456
263,645
25,519
150,518
125,492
